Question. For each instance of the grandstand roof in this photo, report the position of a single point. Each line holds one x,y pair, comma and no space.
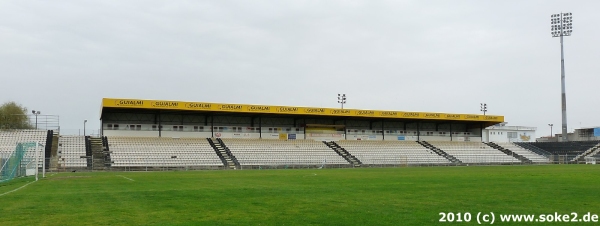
112,103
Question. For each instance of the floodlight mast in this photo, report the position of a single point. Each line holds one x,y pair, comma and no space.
562,25
342,99
483,108
36,113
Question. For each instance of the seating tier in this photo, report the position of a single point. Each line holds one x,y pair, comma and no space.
391,152
161,152
282,152
474,152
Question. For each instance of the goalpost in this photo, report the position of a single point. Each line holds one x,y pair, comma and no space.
590,160
23,161
384,161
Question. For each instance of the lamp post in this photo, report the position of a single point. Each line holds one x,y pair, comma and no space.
483,108
551,135
562,25
84,121
36,113
342,99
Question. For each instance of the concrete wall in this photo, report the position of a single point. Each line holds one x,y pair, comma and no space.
435,138
146,130
128,133
500,134
364,137
185,134
325,137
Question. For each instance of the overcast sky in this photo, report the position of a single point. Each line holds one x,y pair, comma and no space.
63,57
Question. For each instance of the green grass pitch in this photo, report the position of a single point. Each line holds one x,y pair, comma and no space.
362,196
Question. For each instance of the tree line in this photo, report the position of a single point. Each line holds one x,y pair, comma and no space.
14,116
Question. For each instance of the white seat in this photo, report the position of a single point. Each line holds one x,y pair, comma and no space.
155,151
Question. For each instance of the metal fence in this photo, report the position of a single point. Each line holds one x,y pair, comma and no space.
41,122
566,159
287,166
372,162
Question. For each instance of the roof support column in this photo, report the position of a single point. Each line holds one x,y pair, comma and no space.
304,128
450,131
159,125
418,131
382,131
345,133
481,131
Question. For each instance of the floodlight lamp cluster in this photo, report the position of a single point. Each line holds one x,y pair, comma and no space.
341,98
561,24
483,107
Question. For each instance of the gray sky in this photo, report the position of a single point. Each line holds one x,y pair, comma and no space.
63,57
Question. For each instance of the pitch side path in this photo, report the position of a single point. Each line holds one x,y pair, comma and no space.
375,196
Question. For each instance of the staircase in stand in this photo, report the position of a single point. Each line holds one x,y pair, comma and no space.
534,149
440,152
106,152
88,152
342,152
521,158
52,150
228,159
590,152
97,151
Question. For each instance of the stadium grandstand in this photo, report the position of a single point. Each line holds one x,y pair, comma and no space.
155,118
258,135
151,133
157,135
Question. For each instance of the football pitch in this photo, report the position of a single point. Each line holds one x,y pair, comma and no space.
361,196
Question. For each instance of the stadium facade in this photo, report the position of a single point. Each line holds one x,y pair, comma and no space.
162,118
504,133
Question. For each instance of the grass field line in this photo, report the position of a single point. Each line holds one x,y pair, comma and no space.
19,188
126,177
